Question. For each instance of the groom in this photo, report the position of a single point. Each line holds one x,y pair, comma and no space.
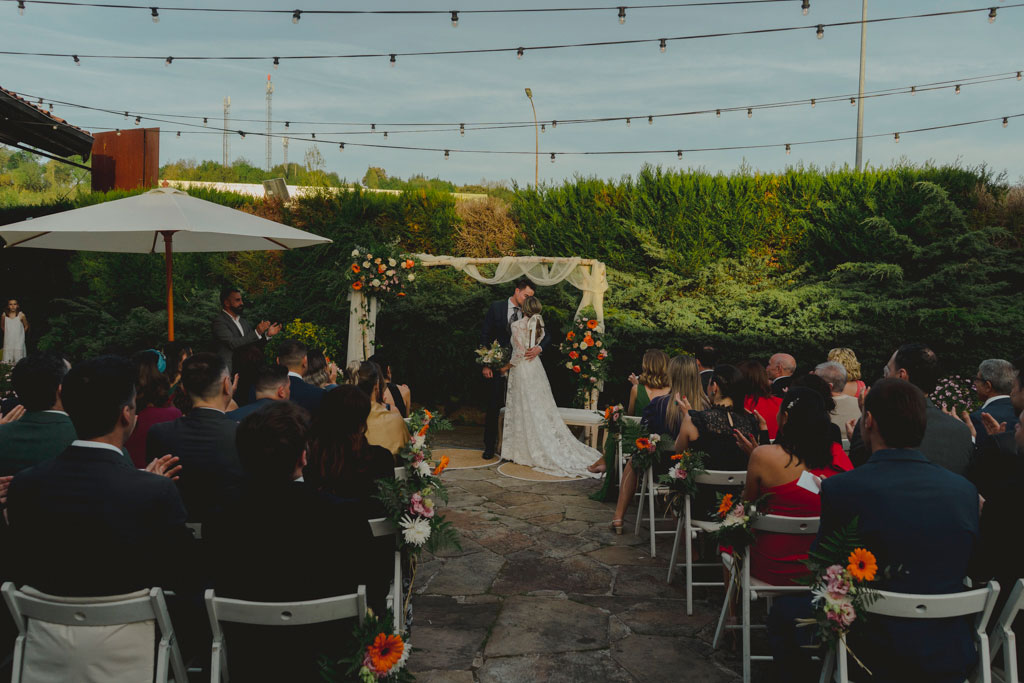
498,326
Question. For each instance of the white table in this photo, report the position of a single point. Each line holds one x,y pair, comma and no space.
577,417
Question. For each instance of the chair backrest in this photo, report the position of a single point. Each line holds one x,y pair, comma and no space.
1003,636
197,529
382,527
631,418
722,478
914,606
284,613
787,525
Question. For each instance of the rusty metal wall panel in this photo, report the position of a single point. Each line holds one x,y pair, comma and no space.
126,161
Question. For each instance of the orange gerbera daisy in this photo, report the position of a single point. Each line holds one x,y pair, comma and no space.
571,335
725,505
357,285
442,466
608,413
573,355
863,565
430,415
643,443
592,324
679,456
385,651
356,268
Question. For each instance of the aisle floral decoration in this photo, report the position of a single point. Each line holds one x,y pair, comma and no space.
736,521
494,356
681,477
844,579
387,272
586,355
379,655
955,393
613,425
640,447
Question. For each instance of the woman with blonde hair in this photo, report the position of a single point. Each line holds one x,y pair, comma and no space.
848,359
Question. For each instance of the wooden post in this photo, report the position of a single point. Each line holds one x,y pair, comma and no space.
169,270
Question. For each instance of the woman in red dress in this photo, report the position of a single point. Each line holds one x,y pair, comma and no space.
759,397
804,444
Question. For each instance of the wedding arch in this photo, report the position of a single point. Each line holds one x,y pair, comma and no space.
587,275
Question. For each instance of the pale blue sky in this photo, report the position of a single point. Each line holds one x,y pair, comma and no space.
587,82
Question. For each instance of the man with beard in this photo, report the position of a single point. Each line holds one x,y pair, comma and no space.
231,330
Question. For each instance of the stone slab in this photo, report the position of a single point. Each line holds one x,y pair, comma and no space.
539,625
536,509
569,667
444,676
504,541
528,571
467,575
598,515
448,634
627,555
646,582
653,658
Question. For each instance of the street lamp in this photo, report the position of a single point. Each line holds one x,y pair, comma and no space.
860,86
536,132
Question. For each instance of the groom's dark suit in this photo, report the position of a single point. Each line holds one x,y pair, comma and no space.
497,328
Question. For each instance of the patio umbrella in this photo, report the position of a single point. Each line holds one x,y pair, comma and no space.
138,224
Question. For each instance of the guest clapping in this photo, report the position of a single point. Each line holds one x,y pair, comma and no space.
780,369
384,427
320,372
44,430
713,430
757,395
152,393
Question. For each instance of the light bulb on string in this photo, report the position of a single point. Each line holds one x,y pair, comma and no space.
554,124
118,132
718,113
519,53
385,135
1018,75
167,62
455,19
821,31
543,128
627,123
750,113
286,123
462,129
622,15
956,90
446,155
992,15
913,90
788,149
205,122
662,45
1006,121
805,7
853,101
242,133
312,135
679,154
155,14
178,134
51,106
896,137
138,120
552,157
21,8
392,60
650,120
78,62
341,146
813,103
277,62
296,15
373,126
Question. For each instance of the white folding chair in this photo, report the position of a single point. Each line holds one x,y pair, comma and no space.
751,589
620,462
286,614
980,602
687,529
384,527
1004,638
54,612
651,489
197,529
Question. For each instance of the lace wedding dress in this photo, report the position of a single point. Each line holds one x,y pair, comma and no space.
534,434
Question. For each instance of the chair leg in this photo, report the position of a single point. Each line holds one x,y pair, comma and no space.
649,478
745,597
720,629
672,560
826,666
688,540
640,505
161,663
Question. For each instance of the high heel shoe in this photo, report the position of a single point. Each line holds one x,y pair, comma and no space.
616,527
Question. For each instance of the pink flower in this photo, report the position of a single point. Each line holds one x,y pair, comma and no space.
738,511
847,614
837,587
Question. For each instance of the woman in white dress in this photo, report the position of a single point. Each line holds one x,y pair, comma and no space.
534,434
15,327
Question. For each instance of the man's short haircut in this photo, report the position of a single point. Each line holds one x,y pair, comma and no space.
524,282
707,356
94,393
834,373
36,378
291,352
921,365
899,411
271,441
1000,373
201,375
270,378
226,292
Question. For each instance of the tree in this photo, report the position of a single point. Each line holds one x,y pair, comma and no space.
374,177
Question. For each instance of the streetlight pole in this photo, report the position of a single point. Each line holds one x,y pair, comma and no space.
860,87
536,133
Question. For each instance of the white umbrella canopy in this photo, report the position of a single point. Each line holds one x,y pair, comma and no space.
165,219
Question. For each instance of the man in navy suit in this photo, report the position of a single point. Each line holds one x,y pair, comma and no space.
272,383
921,522
994,382
498,327
292,354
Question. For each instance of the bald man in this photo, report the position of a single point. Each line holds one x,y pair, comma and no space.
780,368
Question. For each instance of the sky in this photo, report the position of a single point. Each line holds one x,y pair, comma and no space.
591,82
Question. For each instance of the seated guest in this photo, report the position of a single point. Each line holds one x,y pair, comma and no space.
946,442
662,416
804,444
152,391
319,372
270,384
758,397
88,522
342,463
245,363
823,389
384,427
282,541
993,385
848,359
910,512
780,369
397,395
707,359
847,408
292,354
204,440
713,430
175,352
45,430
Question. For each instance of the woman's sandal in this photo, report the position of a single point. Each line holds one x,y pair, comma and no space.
616,527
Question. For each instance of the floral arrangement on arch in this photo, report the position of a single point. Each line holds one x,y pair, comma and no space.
386,273
955,393
379,655
681,478
586,354
843,585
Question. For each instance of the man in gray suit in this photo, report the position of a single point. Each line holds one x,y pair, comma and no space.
947,441
231,330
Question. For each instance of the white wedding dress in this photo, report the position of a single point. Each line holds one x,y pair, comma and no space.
534,433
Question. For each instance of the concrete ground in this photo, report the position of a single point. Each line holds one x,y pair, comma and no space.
543,590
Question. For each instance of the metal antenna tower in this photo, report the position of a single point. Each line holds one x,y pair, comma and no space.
270,96
227,117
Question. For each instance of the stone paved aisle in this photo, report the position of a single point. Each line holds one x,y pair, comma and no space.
543,591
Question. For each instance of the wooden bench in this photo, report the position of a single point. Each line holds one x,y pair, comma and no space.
576,417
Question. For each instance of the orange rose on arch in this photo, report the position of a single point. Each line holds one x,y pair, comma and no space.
592,324
409,263
381,268
573,355
357,285
576,369
571,335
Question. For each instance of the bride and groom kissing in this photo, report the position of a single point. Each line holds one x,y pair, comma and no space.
534,433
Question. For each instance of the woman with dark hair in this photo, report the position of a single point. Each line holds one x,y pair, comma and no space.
804,445
152,395
319,372
397,395
384,427
713,431
758,395
823,389
342,463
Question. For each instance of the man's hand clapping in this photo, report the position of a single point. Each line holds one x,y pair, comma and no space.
166,466
273,329
14,415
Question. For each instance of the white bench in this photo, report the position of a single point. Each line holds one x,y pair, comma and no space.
576,417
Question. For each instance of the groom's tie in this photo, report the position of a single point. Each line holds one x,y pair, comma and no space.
516,315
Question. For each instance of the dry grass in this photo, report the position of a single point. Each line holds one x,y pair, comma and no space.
486,230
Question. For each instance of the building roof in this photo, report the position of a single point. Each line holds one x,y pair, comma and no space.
24,124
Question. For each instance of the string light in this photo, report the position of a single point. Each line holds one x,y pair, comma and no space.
913,90
1018,75
204,122
622,15
313,135
167,62
385,135
392,60
341,146
627,123
446,155
650,120
679,154
992,15
242,133
813,102
554,124
118,132
750,113
718,113
788,149
821,31
277,62
78,62
853,101
662,44
956,90
1006,122
543,129
178,135
296,15
156,15
896,137
373,126
138,120
519,53
455,19
21,8
285,123
552,157
805,7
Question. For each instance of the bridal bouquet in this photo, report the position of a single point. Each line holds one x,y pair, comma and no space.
586,354
494,357
379,655
387,273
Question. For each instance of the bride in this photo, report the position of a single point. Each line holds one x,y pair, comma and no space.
535,435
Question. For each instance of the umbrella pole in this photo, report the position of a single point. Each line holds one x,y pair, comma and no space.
169,268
